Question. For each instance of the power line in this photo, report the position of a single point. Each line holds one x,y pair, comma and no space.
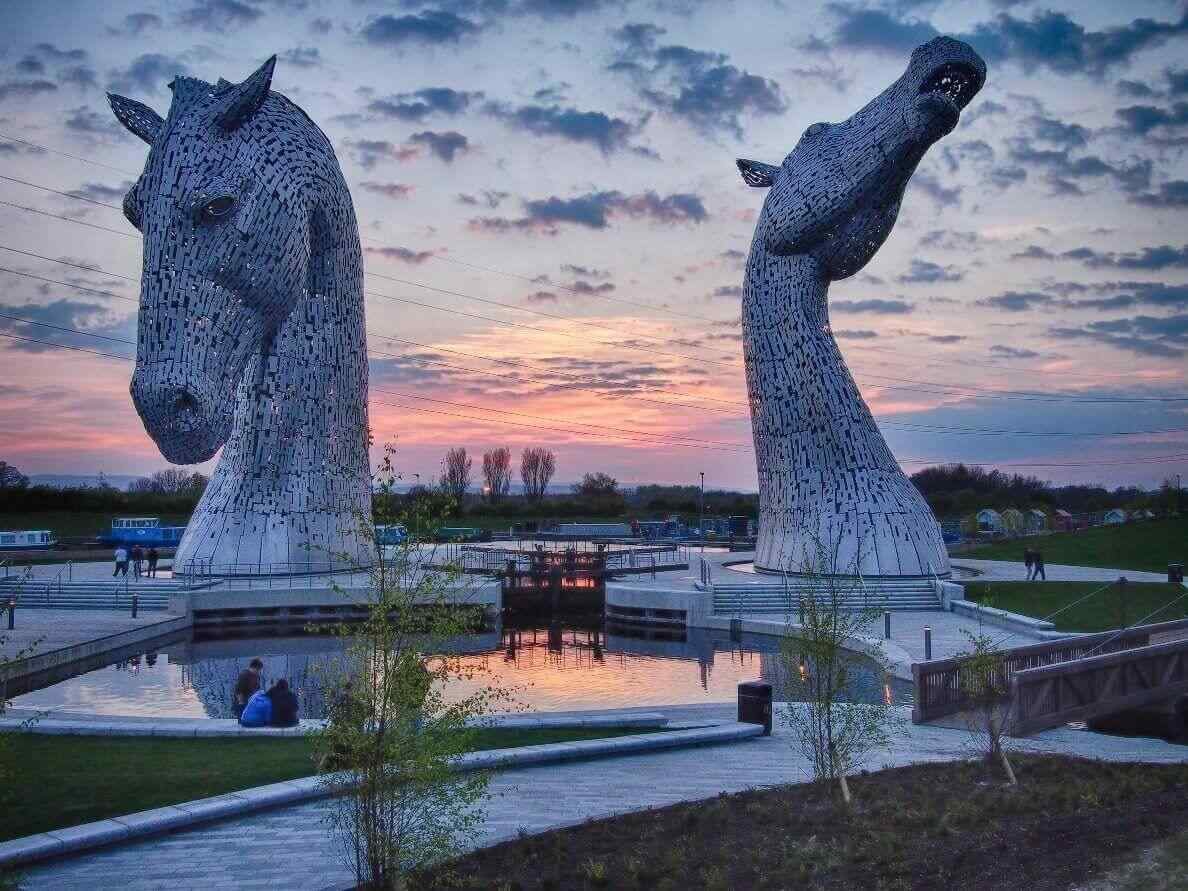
892,424
622,346
532,280
1150,459
656,437
583,382
967,391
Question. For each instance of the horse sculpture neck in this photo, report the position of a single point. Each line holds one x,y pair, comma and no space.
827,480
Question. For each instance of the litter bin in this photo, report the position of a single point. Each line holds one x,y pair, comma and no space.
1175,573
754,704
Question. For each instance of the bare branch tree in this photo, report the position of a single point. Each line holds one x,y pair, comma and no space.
537,466
170,481
455,473
497,472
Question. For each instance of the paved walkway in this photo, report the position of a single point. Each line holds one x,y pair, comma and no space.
1010,571
292,847
52,629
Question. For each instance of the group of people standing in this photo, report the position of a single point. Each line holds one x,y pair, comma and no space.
255,707
138,557
1034,561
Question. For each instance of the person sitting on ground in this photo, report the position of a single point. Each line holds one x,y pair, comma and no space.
246,684
257,712
153,557
121,561
284,705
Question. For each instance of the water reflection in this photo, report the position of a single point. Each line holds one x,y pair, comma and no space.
547,667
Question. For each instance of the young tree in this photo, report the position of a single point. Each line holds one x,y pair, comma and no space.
497,472
986,688
829,726
455,473
393,732
537,466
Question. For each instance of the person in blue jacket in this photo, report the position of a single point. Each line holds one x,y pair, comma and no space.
257,712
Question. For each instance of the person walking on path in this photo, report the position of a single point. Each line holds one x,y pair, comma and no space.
1028,561
137,561
1038,562
121,561
247,684
153,557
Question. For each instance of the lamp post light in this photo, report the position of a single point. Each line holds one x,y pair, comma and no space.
701,513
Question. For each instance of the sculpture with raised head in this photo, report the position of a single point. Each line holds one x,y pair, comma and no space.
251,331
826,476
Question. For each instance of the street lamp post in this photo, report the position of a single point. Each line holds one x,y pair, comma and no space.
701,512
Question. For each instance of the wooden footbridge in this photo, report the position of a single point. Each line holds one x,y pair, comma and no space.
1072,679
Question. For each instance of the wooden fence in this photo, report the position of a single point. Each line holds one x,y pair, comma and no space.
941,690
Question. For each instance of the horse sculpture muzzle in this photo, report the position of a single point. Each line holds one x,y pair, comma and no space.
188,415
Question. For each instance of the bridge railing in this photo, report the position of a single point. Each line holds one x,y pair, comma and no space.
941,688
1053,695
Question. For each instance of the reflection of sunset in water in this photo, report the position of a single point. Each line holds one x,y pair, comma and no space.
545,670
587,669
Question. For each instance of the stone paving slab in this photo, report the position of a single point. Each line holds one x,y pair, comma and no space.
292,846
52,629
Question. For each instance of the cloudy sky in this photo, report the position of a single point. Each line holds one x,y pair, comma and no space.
554,227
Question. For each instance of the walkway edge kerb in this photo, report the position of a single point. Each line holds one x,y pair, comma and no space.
118,830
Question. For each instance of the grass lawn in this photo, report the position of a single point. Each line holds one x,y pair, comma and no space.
1103,612
932,826
1149,545
60,781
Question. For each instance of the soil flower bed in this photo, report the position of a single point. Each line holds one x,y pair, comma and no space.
932,826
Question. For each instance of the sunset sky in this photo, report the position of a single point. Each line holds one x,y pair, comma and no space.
554,227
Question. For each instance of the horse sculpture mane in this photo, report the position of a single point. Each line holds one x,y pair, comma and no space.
251,329
829,488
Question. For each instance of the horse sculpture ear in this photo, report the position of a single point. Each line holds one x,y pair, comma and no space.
243,100
757,174
137,117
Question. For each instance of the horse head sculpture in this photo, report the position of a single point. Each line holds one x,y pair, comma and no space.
825,474
251,331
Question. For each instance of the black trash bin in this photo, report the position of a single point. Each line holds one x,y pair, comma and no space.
1175,573
754,704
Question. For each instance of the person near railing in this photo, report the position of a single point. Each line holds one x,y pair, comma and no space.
121,562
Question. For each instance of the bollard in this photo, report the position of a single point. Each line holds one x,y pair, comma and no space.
887,624
927,643
134,599
11,613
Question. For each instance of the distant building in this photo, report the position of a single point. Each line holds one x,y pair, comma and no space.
1012,520
1034,521
1063,520
1114,517
990,520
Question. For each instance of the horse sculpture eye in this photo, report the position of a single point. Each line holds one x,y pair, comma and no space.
219,207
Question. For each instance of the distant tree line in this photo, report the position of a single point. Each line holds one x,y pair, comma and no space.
170,491
958,489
